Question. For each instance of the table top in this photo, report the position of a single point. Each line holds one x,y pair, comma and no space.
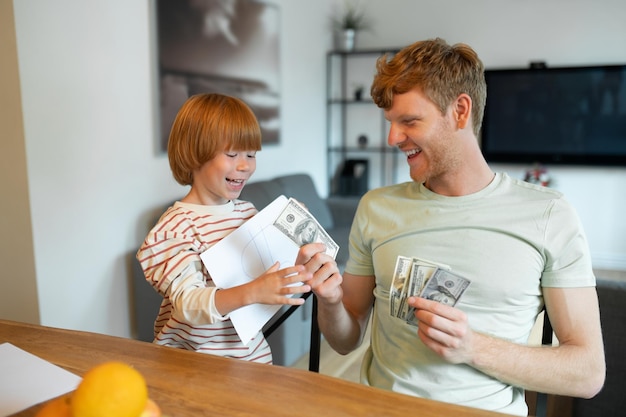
186,383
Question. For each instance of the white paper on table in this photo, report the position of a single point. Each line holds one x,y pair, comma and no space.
26,380
244,255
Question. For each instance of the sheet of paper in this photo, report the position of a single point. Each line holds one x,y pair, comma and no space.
245,254
26,380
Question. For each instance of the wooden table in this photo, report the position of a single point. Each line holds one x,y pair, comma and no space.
186,383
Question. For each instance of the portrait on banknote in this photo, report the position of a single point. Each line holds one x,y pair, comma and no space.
296,222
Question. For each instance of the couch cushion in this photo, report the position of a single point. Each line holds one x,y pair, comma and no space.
261,193
301,187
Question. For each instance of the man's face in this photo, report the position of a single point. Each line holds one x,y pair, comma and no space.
418,129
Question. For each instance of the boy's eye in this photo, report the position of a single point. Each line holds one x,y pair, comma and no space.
252,155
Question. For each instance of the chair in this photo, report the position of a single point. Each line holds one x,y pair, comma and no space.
537,401
315,338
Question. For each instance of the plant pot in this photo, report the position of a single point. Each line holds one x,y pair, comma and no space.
345,40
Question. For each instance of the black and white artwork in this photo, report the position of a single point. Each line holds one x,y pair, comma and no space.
220,46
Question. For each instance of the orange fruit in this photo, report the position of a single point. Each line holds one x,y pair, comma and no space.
59,407
110,389
151,409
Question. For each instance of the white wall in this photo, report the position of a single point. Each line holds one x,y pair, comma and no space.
94,178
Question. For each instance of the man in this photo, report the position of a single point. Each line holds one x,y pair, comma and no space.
519,244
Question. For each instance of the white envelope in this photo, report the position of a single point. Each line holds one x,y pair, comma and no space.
245,254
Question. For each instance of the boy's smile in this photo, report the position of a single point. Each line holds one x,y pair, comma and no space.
221,179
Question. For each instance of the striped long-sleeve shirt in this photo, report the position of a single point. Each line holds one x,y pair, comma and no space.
170,258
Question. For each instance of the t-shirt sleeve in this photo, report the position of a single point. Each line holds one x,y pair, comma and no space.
568,261
360,259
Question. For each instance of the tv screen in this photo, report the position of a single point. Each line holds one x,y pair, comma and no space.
574,115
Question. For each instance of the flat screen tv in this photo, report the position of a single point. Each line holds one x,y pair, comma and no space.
550,115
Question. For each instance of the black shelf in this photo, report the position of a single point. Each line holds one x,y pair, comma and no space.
346,116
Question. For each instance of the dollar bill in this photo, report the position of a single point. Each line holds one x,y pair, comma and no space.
296,222
400,275
419,277
445,287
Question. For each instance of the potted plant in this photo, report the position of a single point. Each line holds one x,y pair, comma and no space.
348,24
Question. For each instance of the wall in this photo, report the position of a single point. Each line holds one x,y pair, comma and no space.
16,246
94,179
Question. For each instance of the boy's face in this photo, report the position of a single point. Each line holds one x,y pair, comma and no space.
222,178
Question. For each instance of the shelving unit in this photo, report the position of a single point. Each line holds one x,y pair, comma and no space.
353,166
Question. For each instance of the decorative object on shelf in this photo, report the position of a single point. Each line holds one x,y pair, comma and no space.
538,175
362,141
358,91
348,25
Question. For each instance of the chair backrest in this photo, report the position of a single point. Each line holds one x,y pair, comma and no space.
302,188
261,193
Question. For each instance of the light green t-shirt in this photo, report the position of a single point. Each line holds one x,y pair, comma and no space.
510,239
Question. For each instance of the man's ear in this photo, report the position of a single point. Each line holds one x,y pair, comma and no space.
462,110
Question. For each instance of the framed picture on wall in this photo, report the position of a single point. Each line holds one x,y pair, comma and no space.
220,46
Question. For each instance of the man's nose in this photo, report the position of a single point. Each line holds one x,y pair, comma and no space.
395,136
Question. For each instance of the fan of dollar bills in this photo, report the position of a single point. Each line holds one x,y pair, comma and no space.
422,278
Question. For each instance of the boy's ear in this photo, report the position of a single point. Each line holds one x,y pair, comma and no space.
462,110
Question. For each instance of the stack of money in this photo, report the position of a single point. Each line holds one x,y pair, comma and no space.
422,278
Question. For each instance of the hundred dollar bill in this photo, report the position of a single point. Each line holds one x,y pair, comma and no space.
408,281
420,275
297,223
400,274
421,271
445,287
410,278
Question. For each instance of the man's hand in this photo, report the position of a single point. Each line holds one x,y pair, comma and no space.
326,279
443,329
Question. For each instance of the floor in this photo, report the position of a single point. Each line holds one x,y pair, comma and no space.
347,367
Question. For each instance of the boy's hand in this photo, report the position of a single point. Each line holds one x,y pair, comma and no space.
276,286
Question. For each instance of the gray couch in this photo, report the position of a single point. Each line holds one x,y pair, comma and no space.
291,340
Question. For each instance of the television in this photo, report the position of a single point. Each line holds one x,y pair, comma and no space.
556,115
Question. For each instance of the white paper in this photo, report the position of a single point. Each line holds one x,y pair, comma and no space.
26,380
244,255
